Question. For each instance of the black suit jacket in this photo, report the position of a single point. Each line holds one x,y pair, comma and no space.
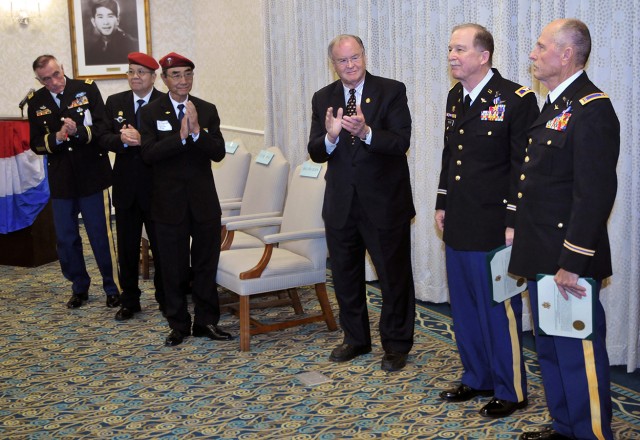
379,172
483,152
131,176
182,177
77,167
568,186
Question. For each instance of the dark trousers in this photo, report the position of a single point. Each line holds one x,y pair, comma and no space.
176,256
390,251
488,335
96,215
129,222
575,375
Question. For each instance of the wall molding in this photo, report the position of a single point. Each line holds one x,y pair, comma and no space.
242,130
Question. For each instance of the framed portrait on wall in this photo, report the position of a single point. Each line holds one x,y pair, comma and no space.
104,32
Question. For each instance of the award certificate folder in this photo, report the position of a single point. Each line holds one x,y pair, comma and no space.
572,318
503,284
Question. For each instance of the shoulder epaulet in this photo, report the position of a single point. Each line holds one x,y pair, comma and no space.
523,91
30,95
592,97
88,81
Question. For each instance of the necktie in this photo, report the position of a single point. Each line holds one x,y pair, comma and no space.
351,109
467,104
547,103
181,112
140,104
59,98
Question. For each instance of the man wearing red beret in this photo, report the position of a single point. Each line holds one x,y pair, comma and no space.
180,137
132,180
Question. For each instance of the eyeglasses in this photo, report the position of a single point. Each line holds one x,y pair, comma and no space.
176,76
47,79
138,72
344,61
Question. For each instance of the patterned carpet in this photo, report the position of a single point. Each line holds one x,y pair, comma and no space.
81,375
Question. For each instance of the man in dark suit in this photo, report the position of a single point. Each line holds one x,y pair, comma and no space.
180,137
484,147
368,203
132,180
65,117
567,190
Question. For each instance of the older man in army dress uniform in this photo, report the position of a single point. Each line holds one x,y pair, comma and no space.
568,186
483,152
64,119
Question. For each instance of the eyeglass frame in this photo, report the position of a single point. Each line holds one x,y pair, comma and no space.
187,74
345,61
139,72
55,75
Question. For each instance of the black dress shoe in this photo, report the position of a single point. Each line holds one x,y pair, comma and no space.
393,361
113,301
346,352
76,300
126,312
175,338
463,393
545,434
211,331
497,408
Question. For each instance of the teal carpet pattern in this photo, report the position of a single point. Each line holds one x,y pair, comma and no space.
79,374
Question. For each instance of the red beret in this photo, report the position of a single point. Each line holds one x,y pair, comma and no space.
175,60
143,59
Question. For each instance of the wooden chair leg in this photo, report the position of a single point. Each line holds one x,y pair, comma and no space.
327,313
144,258
295,301
245,330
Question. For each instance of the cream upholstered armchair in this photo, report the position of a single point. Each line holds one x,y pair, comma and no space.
263,196
230,174
294,257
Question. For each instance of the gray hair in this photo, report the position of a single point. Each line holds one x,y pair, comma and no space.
341,37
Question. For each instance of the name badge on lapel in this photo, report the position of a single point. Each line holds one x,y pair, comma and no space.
163,125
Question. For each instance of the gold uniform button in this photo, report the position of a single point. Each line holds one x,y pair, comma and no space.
457,178
530,141
461,131
70,148
519,195
489,133
504,201
458,162
460,147
526,159
549,142
560,225
522,177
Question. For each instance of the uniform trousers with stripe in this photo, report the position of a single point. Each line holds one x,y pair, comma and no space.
575,374
96,216
488,334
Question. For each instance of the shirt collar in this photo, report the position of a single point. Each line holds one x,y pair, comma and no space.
555,94
477,89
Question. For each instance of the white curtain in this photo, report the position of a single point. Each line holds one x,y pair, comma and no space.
407,40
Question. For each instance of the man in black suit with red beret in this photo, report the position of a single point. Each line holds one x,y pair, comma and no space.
132,180
180,137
